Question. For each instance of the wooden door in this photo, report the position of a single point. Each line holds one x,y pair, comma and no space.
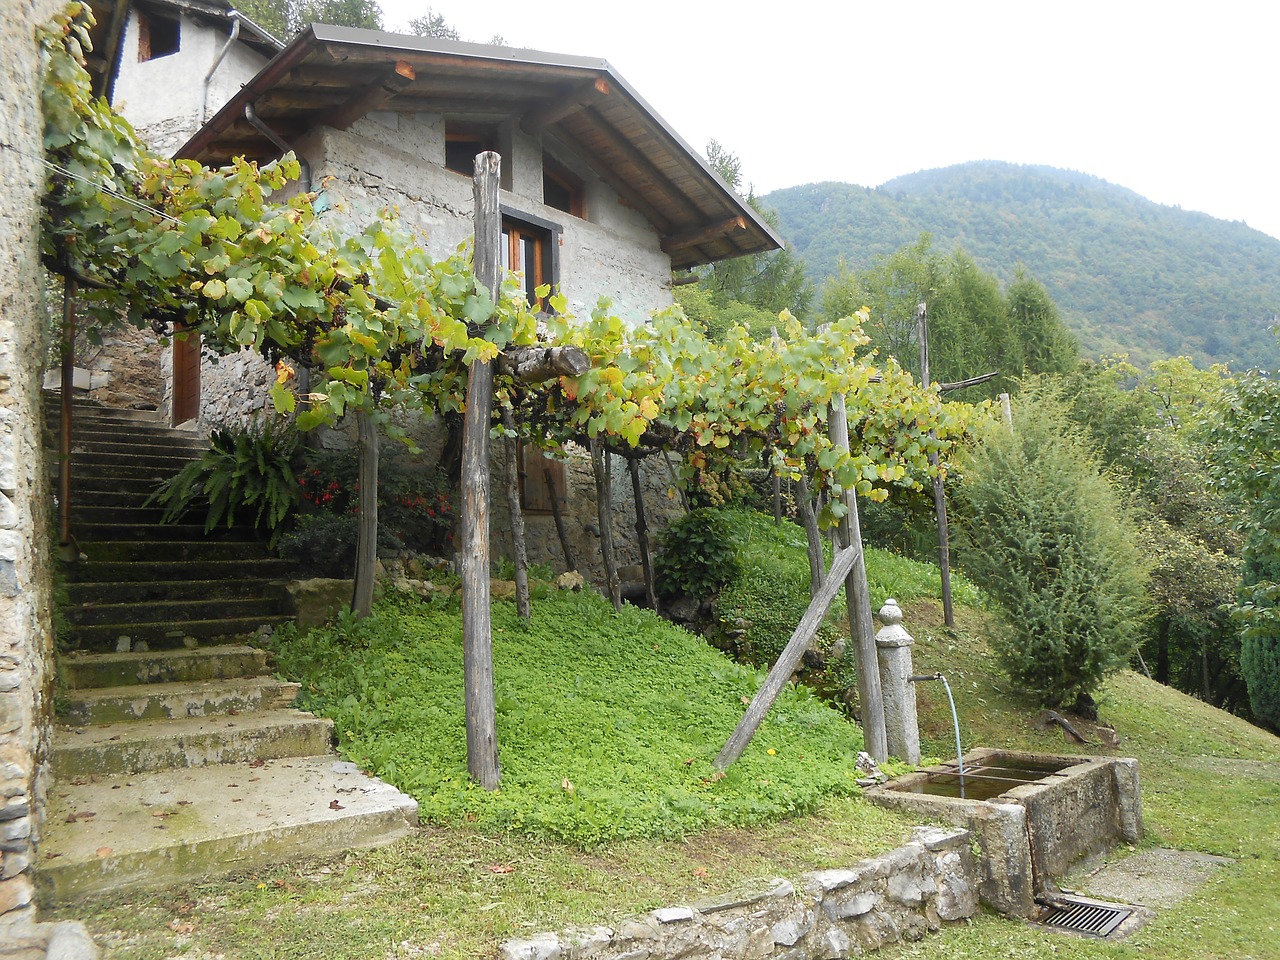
186,377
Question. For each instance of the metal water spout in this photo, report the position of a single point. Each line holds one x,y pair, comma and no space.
955,719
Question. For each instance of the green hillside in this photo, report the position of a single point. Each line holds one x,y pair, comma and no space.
1130,275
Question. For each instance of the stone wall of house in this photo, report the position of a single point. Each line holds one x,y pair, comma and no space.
125,368
26,642
164,98
396,161
901,895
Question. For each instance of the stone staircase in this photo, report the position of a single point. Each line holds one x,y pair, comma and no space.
136,577
178,758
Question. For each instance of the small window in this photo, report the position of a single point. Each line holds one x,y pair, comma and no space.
562,189
462,142
530,249
157,36
535,494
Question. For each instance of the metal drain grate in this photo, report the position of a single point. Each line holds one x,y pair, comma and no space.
1079,916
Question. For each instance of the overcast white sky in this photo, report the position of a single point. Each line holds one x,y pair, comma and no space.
1175,100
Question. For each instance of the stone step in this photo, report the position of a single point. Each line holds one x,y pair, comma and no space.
169,701
209,607
123,510
142,591
82,411
104,636
134,551
92,670
165,828
123,749
263,568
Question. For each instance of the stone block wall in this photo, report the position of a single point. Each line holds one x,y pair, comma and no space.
900,895
26,641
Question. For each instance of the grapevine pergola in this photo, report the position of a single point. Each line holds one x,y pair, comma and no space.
381,325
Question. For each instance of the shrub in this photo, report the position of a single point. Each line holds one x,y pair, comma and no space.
697,554
244,468
414,513
1048,536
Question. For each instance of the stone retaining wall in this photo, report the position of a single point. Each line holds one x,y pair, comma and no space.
26,642
900,895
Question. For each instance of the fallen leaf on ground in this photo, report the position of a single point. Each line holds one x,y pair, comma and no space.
500,868
103,851
335,805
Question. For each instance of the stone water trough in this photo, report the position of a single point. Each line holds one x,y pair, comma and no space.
1032,815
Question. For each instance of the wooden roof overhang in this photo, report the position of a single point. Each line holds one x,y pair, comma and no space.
332,76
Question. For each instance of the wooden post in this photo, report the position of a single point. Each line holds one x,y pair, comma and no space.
604,516
477,635
858,596
549,477
642,534
939,487
817,572
789,659
367,521
777,497
519,555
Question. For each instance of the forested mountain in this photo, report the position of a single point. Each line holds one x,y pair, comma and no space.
1129,275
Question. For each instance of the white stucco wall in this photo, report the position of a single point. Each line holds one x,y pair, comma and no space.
162,97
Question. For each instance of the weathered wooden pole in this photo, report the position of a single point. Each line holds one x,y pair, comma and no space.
939,487
789,659
367,521
858,596
817,573
556,513
477,634
604,516
519,555
642,534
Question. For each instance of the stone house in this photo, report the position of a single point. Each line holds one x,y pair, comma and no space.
600,197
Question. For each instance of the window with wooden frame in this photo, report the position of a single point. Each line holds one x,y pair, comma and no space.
541,480
562,188
158,36
463,141
530,246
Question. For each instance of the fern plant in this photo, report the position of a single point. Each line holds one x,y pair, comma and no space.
245,468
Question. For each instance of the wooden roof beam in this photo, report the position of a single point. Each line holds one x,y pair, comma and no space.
617,142
629,194
375,96
717,231
584,95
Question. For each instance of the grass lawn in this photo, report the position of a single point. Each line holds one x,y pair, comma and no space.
477,876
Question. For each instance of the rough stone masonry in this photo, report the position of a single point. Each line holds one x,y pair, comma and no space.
26,651
900,895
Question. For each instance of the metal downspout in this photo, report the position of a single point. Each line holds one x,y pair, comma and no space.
251,114
217,62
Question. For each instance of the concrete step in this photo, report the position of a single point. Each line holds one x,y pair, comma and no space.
152,745
141,591
168,701
94,670
88,459
177,612
161,829
172,550
171,443
104,531
90,571
103,637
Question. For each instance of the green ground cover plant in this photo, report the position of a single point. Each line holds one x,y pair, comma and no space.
771,589
607,723
1211,782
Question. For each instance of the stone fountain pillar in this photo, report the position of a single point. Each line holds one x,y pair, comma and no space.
893,646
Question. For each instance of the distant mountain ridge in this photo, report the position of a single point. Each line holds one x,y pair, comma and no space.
1130,275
